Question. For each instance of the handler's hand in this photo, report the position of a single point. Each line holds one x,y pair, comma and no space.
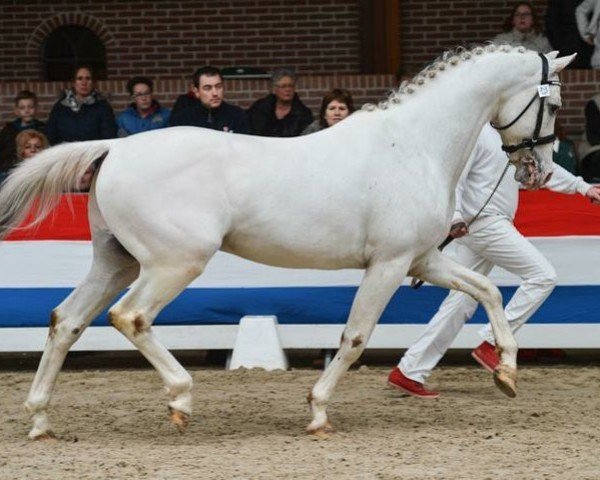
594,194
460,229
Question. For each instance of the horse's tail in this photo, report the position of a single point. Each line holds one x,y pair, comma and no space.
36,184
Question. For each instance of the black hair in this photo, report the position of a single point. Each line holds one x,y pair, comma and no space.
136,80
206,70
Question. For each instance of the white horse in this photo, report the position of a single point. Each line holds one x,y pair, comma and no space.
374,192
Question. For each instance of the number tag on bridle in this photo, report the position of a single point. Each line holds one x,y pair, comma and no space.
543,90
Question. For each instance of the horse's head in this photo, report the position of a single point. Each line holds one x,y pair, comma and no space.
526,122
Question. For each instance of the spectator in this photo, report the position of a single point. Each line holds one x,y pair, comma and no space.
281,113
145,113
29,142
522,28
25,108
589,147
563,152
588,21
335,106
563,33
81,113
204,105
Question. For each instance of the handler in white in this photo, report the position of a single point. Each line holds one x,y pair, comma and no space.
492,240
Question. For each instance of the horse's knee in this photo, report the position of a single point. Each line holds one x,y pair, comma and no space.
53,324
352,346
62,331
491,294
131,325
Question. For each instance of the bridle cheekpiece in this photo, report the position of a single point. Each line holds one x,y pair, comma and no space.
543,91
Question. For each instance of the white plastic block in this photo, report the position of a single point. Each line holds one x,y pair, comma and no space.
257,345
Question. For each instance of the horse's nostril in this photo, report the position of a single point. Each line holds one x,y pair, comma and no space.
548,177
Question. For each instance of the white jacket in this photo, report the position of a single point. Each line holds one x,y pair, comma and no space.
481,174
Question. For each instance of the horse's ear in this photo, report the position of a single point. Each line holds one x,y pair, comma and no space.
552,55
560,63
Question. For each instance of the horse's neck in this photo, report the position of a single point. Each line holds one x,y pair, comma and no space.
454,107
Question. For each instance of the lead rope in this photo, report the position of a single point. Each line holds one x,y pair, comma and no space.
415,282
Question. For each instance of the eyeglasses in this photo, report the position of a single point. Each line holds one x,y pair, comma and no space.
286,85
523,15
141,94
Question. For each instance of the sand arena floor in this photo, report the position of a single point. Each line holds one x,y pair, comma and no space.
112,424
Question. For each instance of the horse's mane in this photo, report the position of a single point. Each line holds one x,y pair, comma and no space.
449,58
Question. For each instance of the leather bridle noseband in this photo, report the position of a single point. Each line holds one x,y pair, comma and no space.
543,91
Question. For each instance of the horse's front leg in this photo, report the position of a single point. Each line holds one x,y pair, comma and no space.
380,282
441,270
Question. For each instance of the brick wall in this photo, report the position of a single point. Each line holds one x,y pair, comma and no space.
167,39
364,88
173,37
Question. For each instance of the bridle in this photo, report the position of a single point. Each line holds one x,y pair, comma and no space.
543,91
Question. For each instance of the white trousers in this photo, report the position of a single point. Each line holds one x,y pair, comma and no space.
498,243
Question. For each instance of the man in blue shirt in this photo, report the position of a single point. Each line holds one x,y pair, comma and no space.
204,106
144,113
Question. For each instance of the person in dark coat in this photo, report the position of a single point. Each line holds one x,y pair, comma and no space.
25,110
81,113
204,106
281,113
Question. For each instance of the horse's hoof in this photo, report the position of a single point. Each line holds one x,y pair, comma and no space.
323,432
180,419
505,379
44,437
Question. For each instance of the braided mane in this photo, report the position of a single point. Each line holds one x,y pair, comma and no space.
448,59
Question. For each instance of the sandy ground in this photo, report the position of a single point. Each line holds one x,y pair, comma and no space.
112,424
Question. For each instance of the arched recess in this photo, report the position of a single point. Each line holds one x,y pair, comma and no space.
74,30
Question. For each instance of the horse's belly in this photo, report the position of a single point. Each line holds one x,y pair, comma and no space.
294,253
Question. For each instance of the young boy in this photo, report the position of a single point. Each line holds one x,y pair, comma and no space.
25,106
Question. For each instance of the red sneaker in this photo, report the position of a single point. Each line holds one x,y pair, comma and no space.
396,379
486,356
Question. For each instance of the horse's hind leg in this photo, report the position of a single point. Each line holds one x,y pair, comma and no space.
134,314
112,270
441,270
380,282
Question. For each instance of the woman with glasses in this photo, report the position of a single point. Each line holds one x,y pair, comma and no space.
81,113
522,28
144,113
281,113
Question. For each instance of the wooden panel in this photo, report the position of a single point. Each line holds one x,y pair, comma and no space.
379,30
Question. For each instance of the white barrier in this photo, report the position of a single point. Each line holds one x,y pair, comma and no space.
257,345
223,337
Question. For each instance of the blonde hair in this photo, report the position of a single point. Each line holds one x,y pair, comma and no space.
25,136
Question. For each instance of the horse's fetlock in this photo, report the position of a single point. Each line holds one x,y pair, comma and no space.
35,404
181,386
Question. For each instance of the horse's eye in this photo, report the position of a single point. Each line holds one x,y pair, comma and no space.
553,109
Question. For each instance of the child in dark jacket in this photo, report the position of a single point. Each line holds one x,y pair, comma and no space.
25,109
